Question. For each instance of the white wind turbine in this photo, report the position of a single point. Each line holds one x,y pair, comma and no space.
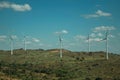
11,44
106,39
60,40
88,38
25,43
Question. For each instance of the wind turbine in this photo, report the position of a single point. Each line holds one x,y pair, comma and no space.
11,43
106,38
25,43
88,38
60,40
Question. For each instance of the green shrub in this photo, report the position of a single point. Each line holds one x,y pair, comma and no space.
98,78
87,79
61,73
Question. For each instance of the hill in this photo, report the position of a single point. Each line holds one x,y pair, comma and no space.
58,50
47,65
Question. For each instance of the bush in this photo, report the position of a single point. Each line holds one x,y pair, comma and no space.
48,71
87,78
94,65
80,59
116,79
44,70
64,78
98,78
77,58
61,73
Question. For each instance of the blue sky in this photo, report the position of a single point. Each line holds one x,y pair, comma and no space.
39,21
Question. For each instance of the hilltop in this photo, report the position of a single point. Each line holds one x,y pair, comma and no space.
42,64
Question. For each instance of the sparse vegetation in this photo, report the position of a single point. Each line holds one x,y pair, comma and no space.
46,65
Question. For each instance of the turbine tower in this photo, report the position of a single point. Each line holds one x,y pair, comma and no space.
106,39
107,57
60,40
11,42
88,43
25,43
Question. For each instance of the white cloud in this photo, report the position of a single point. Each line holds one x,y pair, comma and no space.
100,34
62,32
2,37
97,39
103,28
101,13
15,7
35,40
41,44
92,35
78,37
94,40
91,16
25,7
72,44
13,37
28,42
98,13
111,36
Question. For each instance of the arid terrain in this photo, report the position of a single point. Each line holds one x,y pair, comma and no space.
47,65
